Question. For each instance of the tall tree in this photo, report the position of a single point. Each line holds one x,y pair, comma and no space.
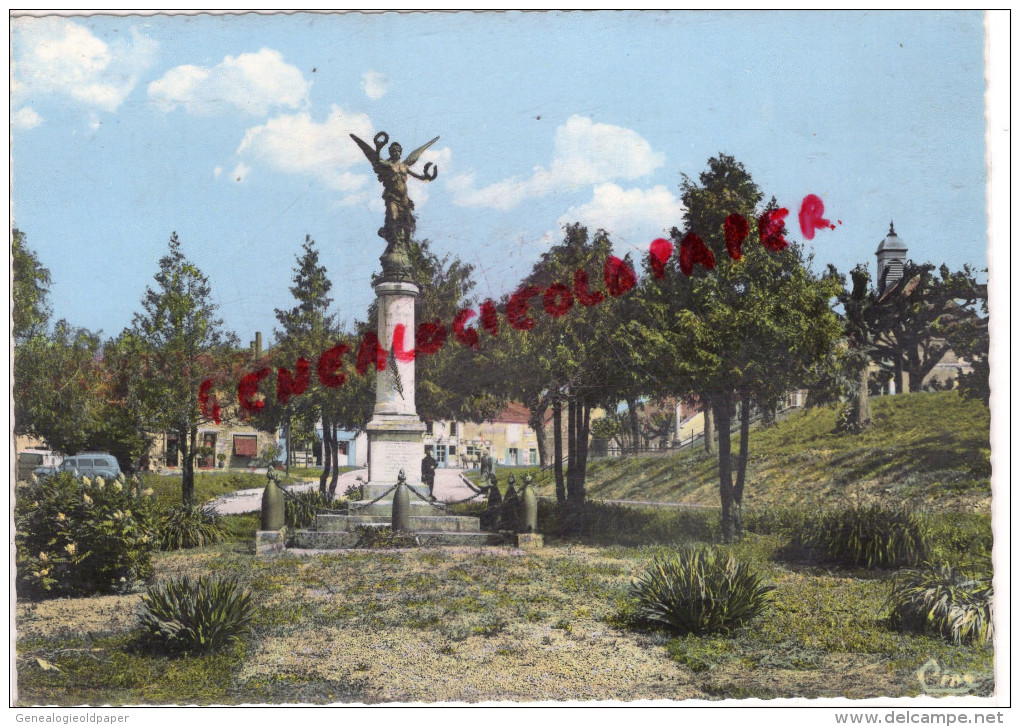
300,399
69,391
736,317
29,291
449,382
177,340
910,321
570,357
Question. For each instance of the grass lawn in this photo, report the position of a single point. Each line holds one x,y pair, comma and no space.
208,485
470,624
496,623
310,472
923,450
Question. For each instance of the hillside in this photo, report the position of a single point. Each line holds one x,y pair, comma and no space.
928,450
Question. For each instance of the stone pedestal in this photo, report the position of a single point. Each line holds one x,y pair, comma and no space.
395,431
530,541
270,542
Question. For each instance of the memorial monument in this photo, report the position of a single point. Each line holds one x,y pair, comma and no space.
395,431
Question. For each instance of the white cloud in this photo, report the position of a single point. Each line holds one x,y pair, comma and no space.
57,56
629,215
217,171
25,118
375,84
296,144
240,172
584,153
251,82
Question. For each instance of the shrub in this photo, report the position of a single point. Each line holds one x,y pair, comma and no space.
873,537
79,536
700,589
301,507
189,526
958,536
185,616
943,600
611,524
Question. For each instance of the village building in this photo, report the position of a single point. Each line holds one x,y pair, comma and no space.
507,436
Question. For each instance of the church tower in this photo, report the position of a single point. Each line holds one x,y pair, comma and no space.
891,254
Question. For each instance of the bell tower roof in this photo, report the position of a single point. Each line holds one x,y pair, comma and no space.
892,243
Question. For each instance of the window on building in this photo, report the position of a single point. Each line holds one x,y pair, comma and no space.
532,456
246,445
428,428
453,429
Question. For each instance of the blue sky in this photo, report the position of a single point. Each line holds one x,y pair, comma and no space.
233,131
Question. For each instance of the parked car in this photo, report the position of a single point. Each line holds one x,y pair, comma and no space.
86,464
29,460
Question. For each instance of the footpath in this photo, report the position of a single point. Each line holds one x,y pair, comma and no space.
449,487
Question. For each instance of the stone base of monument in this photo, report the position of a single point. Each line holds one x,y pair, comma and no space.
369,526
529,541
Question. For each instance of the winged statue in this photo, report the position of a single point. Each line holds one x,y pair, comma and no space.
398,227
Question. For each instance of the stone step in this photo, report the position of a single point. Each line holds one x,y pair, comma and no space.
445,523
339,540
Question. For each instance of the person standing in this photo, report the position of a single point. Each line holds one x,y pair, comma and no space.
428,471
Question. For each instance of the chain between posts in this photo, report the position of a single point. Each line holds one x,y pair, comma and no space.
360,505
439,504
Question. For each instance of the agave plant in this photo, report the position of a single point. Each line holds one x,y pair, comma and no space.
185,616
943,600
700,589
189,526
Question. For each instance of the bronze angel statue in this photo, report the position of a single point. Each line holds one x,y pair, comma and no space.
392,172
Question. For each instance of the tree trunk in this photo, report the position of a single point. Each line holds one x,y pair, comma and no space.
635,426
722,406
335,444
327,456
585,431
709,426
290,446
571,447
561,493
187,447
738,488
536,420
862,407
902,375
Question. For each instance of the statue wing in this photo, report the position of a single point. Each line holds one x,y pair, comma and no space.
416,154
371,153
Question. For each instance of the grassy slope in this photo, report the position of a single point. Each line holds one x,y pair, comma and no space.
922,450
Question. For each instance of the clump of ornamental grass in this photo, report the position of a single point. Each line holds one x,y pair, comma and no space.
950,602
699,589
872,537
185,616
302,507
189,526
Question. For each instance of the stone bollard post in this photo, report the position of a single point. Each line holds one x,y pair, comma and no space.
273,511
529,507
510,517
401,517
